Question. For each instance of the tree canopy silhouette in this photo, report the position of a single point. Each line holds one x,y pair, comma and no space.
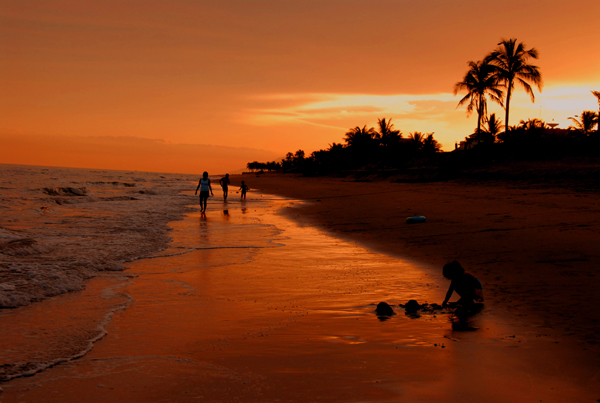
480,82
388,135
511,64
586,123
597,95
359,137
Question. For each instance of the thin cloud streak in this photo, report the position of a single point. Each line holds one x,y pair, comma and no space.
340,106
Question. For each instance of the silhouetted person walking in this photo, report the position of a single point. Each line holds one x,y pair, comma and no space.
224,182
204,186
244,188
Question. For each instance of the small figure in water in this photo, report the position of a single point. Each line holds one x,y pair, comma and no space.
224,182
465,284
204,186
244,188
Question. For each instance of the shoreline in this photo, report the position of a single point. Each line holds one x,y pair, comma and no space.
534,249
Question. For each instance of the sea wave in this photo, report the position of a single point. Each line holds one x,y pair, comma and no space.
18,369
60,226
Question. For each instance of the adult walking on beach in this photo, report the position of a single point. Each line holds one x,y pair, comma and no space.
204,186
224,182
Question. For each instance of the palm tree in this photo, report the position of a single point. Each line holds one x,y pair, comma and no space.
431,145
492,129
511,62
389,136
586,123
424,142
480,81
597,95
416,140
361,137
532,124
494,125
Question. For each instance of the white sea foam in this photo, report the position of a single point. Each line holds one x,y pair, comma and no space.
59,226
10,371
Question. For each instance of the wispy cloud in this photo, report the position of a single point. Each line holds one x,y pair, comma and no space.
317,108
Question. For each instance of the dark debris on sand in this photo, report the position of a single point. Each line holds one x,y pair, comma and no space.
414,310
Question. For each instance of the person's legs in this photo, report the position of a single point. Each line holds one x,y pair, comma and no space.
203,198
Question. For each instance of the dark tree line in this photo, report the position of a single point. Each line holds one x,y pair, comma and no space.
384,147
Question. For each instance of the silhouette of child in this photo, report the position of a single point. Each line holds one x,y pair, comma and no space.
465,284
204,186
244,189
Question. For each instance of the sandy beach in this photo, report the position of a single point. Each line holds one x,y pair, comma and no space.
534,246
273,300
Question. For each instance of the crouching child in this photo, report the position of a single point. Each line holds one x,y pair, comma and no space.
465,284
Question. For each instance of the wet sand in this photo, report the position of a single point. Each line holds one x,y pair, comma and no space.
533,246
286,313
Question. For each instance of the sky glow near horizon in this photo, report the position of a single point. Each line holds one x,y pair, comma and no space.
408,111
265,77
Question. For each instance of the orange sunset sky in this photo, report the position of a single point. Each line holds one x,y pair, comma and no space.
192,85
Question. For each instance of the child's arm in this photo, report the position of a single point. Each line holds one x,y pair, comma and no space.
448,295
478,291
196,192
478,295
210,188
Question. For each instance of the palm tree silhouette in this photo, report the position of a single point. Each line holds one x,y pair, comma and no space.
494,125
510,60
431,145
361,137
585,124
389,137
597,95
416,140
532,124
424,142
492,129
480,81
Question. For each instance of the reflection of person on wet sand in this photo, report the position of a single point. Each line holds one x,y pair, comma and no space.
244,188
465,284
224,182
204,186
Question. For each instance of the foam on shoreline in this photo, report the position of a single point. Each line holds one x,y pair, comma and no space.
62,226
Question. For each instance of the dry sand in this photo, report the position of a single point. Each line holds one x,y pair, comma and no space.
268,329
